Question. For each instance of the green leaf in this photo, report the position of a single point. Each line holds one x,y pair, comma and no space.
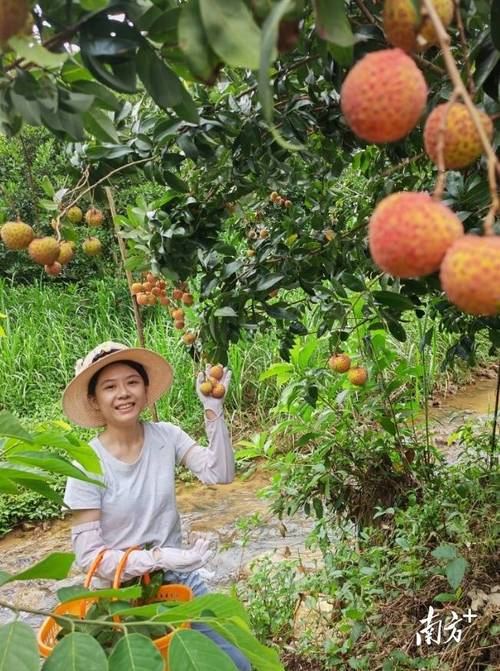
225,311
79,592
193,651
10,427
46,185
232,32
455,571
159,80
18,648
444,552
175,182
194,44
393,300
100,126
55,566
269,281
343,55
268,53
332,24
103,96
53,464
77,652
260,657
93,5
136,652
495,23
396,330
35,53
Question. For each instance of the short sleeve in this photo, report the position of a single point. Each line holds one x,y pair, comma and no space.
180,439
81,495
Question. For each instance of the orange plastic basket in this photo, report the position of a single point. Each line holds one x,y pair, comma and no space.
50,628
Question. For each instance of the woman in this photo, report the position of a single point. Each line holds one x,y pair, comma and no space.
112,386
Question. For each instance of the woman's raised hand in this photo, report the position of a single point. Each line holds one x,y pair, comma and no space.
211,387
175,559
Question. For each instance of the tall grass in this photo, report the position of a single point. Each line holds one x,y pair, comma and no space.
49,327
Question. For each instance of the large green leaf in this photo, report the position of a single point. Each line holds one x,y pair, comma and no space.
10,426
232,32
100,126
194,44
77,652
53,464
260,657
55,566
103,96
193,651
18,648
79,592
136,652
455,571
75,448
332,23
159,80
268,53
93,5
32,52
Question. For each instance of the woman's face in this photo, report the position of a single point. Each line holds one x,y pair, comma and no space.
120,394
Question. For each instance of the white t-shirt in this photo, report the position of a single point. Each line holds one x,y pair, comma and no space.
138,503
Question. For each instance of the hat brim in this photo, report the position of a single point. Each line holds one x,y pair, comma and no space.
75,400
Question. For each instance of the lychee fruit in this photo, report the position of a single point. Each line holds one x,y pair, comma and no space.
206,388
92,246
142,298
329,234
177,294
409,233
179,324
287,203
187,299
404,29
54,270
264,233
164,300
74,214
357,376
216,372
218,390
136,288
44,250
13,18
250,252
16,234
178,314
383,96
66,252
188,338
340,363
470,274
274,196
94,217
462,144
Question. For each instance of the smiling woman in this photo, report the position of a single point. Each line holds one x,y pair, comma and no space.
136,506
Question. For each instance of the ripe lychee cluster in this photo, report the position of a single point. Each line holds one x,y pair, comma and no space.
277,199
93,216
154,290
211,385
405,29
341,363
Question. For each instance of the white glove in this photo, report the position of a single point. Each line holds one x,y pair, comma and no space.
209,402
184,561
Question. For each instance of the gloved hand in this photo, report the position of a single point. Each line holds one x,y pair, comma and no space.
184,561
209,402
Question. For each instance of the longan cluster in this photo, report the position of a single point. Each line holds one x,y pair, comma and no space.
277,199
211,385
154,290
341,363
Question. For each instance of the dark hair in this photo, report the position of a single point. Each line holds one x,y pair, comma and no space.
139,368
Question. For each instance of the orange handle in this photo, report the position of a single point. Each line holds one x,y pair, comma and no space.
88,580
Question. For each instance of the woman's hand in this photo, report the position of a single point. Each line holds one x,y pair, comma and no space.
210,402
184,561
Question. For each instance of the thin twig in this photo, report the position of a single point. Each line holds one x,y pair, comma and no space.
465,49
364,9
454,74
441,138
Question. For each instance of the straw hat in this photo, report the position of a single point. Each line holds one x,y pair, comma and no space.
75,400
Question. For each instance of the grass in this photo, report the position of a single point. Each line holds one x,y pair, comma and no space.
49,327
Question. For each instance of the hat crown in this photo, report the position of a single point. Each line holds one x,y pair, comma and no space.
98,352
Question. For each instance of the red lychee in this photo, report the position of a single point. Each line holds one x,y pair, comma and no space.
470,274
462,144
383,96
409,234
44,250
404,29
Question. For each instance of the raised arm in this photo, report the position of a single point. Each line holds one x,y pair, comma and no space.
214,464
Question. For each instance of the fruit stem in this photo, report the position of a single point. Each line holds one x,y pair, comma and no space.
441,178
454,74
465,49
